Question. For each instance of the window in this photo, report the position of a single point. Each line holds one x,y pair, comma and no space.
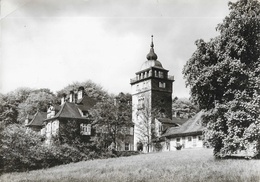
160,74
162,85
54,127
178,139
155,73
43,131
140,103
162,113
48,127
85,113
132,131
189,138
200,137
127,146
85,129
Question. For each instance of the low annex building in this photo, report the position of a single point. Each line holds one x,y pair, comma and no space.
187,135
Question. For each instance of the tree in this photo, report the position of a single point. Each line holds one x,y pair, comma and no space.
145,126
184,107
8,111
224,77
92,89
111,120
36,100
9,105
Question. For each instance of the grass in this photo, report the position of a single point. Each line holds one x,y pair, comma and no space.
179,166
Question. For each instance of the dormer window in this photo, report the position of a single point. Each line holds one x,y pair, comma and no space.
85,129
85,113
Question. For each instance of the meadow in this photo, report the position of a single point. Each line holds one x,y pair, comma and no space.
179,166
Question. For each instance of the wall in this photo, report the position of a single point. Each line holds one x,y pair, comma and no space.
187,142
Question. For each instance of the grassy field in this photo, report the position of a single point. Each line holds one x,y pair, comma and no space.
184,165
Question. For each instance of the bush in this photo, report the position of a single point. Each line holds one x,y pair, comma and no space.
22,150
178,147
126,153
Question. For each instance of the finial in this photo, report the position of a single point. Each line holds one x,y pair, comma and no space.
151,55
152,41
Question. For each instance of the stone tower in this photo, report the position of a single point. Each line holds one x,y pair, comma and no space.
151,98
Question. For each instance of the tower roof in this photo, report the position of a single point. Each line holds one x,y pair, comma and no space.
151,59
151,55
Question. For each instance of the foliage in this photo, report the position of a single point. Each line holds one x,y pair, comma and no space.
224,78
184,107
158,146
92,89
112,120
69,134
23,150
36,100
145,128
8,111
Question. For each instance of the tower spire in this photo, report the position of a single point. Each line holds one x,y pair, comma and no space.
151,55
152,41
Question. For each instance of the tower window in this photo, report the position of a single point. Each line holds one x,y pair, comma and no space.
137,87
162,113
140,103
162,85
156,73
160,74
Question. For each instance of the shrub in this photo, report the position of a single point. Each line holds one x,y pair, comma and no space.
126,153
178,146
22,150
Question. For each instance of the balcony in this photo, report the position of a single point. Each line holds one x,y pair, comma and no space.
133,80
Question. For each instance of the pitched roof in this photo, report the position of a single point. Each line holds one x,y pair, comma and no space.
192,126
176,121
86,103
180,121
37,119
68,110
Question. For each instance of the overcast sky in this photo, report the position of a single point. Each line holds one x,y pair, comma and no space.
52,43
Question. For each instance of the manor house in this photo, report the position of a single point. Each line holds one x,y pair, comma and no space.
73,112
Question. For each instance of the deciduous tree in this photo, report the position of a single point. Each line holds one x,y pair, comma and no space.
224,77
112,120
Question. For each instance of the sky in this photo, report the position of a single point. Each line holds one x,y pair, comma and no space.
53,43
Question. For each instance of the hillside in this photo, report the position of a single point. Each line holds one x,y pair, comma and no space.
184,165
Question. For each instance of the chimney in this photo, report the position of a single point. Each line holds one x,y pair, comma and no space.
71,96
80,92
63,98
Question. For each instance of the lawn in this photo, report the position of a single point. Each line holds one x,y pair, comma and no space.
184,165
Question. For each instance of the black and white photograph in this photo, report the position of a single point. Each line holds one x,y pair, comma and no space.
130,90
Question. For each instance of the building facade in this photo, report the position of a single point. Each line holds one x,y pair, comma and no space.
186,136
72,118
